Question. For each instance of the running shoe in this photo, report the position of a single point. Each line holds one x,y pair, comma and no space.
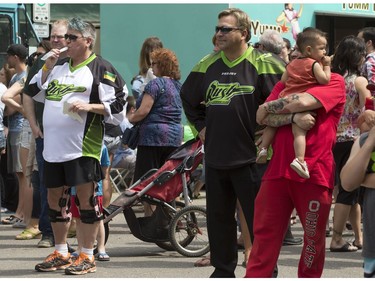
82,265
46,242
54,262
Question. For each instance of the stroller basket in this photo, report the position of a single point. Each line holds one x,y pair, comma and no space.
149,229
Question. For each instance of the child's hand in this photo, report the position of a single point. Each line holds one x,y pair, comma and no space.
326,61
261,114
371,137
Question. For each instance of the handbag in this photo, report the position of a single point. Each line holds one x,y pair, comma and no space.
130,137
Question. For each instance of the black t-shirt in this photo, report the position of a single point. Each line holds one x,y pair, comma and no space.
30,92
231,93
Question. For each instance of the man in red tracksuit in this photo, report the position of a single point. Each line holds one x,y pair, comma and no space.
282,189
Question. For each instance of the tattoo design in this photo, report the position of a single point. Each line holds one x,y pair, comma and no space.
22,82
277,120
278,106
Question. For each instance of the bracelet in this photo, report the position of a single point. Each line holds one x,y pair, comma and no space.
293,114
45,68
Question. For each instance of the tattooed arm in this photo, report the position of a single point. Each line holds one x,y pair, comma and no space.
278,112
304,120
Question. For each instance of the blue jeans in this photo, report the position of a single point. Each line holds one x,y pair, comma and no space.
44,222
36,195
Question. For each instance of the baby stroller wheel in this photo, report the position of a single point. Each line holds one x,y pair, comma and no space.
188,231
167,245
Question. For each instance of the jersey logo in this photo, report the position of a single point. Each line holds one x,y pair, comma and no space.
263,57
56,91
109,76
222,94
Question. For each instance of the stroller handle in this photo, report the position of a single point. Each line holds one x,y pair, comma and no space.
188,162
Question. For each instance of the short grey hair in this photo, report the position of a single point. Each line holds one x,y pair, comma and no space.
272,41
86,28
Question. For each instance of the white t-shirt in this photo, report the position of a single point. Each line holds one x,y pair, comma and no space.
70,136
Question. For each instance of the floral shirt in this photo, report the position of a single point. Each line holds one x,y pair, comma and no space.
348,128
368,69
162,126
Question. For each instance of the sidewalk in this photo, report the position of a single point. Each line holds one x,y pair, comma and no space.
132,258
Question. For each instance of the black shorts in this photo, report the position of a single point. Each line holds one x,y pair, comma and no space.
72,173
341,153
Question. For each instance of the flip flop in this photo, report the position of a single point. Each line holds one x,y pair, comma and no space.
10,220
359,246
347,247
102,257
205,261
28,234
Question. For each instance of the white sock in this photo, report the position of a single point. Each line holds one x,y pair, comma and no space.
62,249
88,252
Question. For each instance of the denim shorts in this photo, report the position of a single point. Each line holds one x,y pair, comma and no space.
13,152
26,135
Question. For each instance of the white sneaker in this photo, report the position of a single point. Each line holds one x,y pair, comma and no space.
262,156
300,168
19,224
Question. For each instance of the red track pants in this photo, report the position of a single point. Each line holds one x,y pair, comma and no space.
273,206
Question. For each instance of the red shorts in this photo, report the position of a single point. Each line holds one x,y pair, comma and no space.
75,210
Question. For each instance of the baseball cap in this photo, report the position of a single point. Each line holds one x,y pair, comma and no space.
18,50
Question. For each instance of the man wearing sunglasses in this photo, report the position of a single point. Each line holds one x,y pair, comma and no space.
80,92
220,98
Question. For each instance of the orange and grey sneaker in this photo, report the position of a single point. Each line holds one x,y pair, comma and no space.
54,262
82,265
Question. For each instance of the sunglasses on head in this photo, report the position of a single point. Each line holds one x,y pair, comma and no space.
72,37
225,30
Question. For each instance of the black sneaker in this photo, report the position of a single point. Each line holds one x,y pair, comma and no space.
54,262
81,265
46,242
290,241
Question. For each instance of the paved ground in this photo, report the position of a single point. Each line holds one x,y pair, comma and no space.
132,258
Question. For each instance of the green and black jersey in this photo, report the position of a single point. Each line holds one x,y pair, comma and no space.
223,96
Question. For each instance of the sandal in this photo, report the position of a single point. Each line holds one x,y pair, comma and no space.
19,224
10,220
293,220
245,259
359,246
102,256
196,195
29,233
71,233
205,261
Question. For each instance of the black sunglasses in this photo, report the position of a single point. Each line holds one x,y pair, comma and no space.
225,30
72,37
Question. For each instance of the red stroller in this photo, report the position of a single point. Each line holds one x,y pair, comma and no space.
174,225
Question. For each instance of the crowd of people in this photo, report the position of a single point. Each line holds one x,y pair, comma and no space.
62,119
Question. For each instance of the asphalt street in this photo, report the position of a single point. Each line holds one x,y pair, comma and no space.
132,258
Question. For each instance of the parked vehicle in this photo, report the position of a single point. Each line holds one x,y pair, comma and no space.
16,28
